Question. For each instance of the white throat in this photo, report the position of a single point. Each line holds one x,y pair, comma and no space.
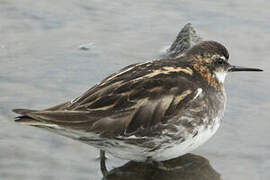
221,76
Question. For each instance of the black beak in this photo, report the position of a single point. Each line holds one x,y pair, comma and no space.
239,68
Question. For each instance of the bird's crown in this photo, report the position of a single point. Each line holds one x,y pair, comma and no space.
208,50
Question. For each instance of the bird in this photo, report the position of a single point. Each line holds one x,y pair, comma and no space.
157,110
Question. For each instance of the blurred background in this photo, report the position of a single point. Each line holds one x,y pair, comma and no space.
52,51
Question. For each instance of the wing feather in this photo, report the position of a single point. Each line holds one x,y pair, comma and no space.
132,101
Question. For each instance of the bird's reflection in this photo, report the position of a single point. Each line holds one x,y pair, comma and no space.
187,167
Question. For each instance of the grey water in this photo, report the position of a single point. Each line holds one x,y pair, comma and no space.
52,51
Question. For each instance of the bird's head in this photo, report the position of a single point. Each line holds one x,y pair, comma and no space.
210,59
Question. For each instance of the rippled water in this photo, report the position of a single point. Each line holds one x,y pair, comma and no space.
41,65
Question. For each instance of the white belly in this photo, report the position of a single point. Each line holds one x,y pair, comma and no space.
167,150
191,143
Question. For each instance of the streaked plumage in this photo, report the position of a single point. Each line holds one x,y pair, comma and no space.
159,109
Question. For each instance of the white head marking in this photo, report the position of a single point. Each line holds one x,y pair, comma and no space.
221,76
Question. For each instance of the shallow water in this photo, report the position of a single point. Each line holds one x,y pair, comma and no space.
41,65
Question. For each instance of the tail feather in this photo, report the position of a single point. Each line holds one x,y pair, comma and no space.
32,122
29,117
23,111
24,118
28,120
77,120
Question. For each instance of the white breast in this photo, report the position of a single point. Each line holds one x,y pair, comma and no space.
191,143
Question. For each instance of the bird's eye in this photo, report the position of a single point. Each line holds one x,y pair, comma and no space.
220,61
